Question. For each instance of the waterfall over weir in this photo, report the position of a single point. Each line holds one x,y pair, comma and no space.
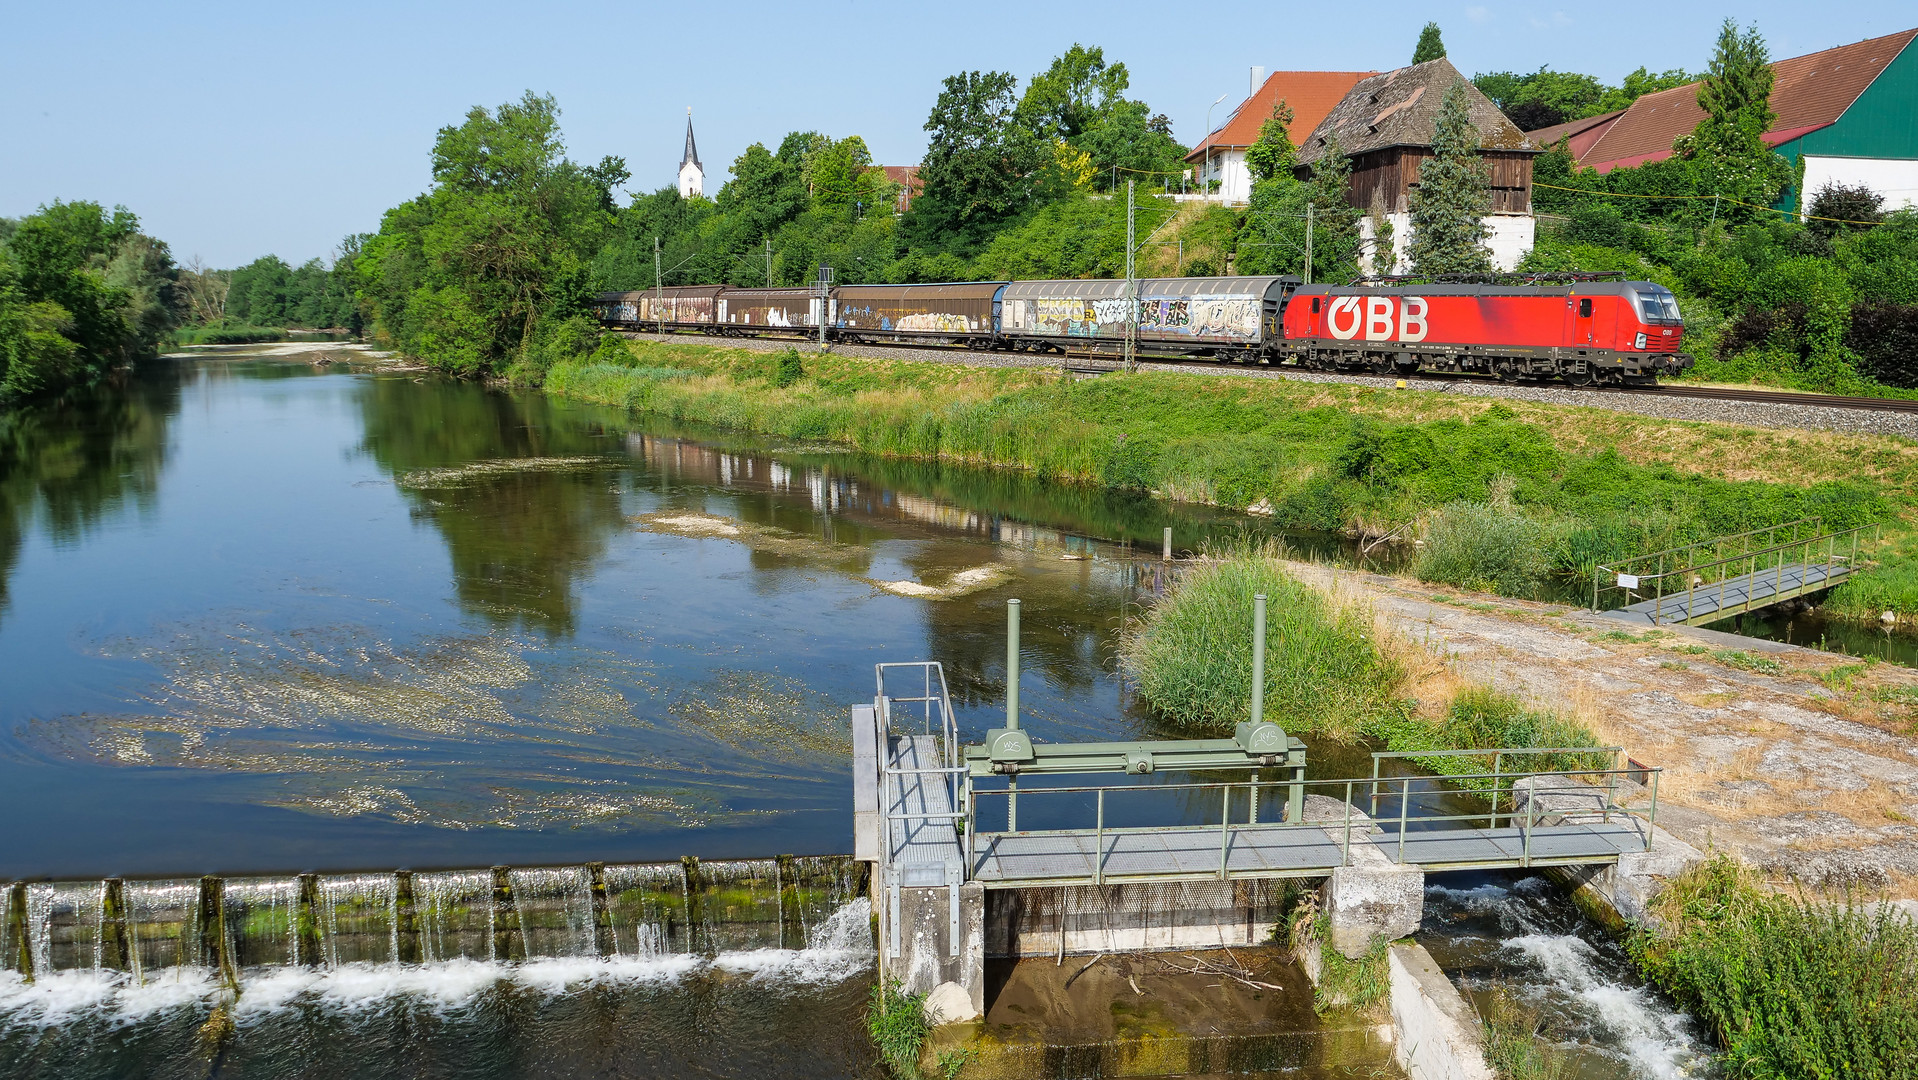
233,928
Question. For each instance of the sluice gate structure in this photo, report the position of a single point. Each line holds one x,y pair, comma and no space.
978,852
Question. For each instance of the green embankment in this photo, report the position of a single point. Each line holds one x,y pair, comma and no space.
1509,493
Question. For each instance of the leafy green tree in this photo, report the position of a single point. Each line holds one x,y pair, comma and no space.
1728,149
1452,197
1543,97
1273,153
1072,96
499,253
84,291
979,164
1430,47
1273,239
1637,85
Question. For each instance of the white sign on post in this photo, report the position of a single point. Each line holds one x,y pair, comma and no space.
1628,581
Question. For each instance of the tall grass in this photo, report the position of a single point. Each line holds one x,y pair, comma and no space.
1790,986
897,1023
1480,717
1513,1047
1191,656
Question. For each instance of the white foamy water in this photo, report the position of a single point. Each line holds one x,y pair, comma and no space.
840,948
1656,1041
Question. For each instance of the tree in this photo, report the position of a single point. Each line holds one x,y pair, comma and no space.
1273,153
979,164
1452,197
1542,98
1727,148
1072,95
497,256
1430,47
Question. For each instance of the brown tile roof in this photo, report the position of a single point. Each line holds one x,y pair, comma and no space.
1309,94
1400,108
1809,92
1578,134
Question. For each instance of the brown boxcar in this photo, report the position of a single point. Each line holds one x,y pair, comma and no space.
962,312
674,307
764,311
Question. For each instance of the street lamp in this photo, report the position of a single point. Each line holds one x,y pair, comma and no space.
1206,157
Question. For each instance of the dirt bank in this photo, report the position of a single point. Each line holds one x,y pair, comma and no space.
1802,763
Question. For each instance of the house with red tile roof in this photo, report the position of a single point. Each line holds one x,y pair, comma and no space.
1310,95
1851,113
907,177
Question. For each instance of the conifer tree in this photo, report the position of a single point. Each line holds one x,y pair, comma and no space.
1453,196
1430,47
1728,146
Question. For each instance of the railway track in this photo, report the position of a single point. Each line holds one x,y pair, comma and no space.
1077,364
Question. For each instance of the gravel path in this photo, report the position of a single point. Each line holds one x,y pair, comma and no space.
1750,413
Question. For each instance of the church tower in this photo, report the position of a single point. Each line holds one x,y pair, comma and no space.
691,175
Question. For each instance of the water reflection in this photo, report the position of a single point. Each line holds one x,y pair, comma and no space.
70,463
524,503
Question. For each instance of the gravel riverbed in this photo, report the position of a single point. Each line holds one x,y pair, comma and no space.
1751,413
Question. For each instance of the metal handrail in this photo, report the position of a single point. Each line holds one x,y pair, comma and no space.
1227,826
1813,521
935,697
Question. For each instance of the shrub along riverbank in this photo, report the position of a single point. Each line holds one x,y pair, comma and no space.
1511,496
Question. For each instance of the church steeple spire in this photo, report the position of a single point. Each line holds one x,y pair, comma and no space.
692,175
692,152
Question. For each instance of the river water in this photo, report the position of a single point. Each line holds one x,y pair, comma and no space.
263,617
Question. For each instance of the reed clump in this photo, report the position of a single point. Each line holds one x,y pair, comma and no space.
1191,655
1514,1047
897,1023
1790,986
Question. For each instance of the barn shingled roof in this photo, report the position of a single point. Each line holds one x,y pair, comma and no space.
1400,108
1809,92
1309,94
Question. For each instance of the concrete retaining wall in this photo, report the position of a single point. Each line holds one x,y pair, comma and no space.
1130,917
1438,1034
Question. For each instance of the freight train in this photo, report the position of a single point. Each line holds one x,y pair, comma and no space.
1584,332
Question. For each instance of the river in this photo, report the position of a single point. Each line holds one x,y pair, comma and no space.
260,616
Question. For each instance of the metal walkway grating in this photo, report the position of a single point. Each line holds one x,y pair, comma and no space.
1734,596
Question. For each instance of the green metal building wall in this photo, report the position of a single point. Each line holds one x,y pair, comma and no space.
1882,123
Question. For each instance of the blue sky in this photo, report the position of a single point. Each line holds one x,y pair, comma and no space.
239,130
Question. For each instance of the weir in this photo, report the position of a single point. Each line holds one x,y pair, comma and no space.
503,914
977,856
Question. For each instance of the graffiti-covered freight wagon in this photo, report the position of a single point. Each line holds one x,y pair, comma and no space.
1223,316
1586,332
965,313
745,312
675,307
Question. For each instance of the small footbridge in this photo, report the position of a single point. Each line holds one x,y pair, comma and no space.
1726,576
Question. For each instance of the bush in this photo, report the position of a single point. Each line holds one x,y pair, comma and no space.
896,1021
1191,655
1791,987
787,369
1885,339
231,335
1486,547
1599,223
1837,208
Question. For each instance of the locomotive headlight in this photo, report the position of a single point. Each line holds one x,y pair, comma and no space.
1639,341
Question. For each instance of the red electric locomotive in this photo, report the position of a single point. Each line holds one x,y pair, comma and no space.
1591,332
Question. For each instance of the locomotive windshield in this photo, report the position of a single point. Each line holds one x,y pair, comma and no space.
1658,306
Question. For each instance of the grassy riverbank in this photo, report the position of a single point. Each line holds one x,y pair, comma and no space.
1568,487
